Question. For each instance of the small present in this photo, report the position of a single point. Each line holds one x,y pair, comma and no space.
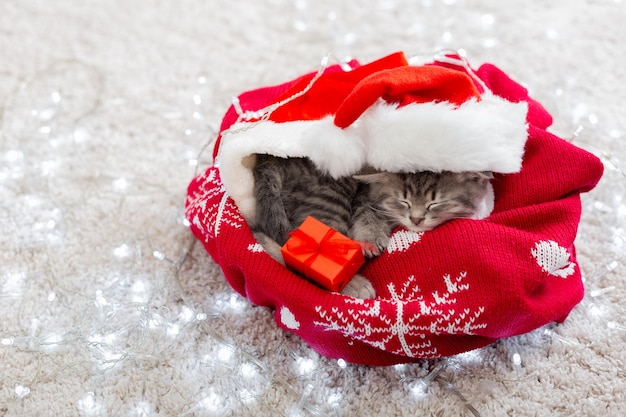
322,254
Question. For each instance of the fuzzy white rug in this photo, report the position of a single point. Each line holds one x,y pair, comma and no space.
108,308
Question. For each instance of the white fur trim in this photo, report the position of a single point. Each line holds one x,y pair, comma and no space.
477,136
486,135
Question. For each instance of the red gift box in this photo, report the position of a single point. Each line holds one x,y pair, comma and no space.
322,254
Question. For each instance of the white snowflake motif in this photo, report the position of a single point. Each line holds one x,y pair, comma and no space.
288,319
553,258
402,240
206,216
255,248
402,324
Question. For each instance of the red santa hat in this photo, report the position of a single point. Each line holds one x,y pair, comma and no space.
399,119
407,85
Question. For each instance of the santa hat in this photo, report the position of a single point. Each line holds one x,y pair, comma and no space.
400,119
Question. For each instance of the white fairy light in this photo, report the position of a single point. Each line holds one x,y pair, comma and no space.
186,314
579,112
100,300
140,291
143,409
299,25
552,34
120,184
334,399
122,251
249,371
21,391
13,155
156,321
487,20
139,286
213,402
51,339
48,167
173,330
490,43
602,291
225,354
400,368
88,405
81,134
419,389
596,310
304,365
13,283
237,303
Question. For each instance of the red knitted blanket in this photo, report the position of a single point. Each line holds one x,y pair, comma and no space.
461,286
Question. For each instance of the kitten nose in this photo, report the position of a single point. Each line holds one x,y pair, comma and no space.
416,220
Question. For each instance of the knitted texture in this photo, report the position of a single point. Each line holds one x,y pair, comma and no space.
442,292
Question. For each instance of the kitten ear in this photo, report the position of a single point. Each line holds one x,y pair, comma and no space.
378,177
476,176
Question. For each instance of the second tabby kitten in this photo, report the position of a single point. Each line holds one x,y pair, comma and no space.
365,207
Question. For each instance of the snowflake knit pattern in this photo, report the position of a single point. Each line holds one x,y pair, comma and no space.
459,287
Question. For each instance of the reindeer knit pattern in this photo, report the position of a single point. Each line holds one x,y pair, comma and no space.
459,287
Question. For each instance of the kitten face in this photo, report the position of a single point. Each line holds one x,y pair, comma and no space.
422,201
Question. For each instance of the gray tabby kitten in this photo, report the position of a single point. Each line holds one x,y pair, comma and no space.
364,207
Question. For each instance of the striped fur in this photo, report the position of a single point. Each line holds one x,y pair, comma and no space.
364,207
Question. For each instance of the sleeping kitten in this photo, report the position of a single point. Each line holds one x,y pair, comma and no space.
364,207
418,201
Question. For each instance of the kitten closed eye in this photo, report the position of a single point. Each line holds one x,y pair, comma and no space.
402,204
440,206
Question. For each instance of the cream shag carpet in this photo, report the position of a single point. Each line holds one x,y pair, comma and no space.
108,308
